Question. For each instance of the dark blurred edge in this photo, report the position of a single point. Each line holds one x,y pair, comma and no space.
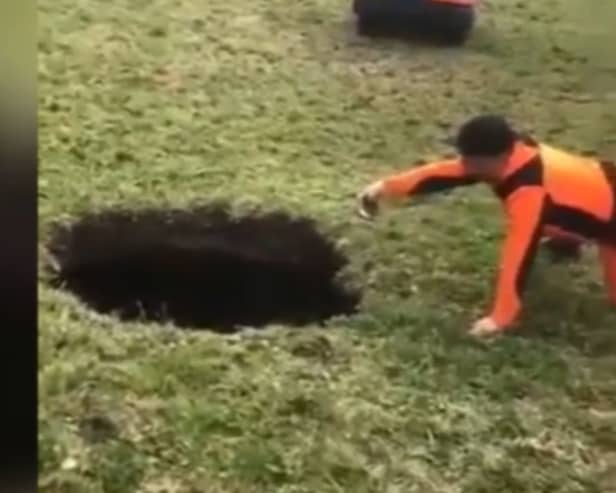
18,249
18,309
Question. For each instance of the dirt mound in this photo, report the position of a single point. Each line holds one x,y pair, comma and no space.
201,268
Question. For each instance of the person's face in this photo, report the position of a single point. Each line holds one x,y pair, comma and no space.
486,167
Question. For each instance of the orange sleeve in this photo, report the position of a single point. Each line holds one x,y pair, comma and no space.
427,178
525,211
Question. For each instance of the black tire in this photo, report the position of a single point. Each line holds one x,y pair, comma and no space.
367,27
378,26
449,24
458,25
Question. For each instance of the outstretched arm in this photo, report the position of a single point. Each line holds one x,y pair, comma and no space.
429,178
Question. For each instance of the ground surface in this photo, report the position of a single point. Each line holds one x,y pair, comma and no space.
276,104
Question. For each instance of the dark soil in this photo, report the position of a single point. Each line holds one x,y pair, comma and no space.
201,268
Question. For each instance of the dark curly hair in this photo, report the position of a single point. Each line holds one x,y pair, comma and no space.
485,135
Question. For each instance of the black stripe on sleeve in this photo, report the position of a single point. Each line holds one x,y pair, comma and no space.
442,183
531,174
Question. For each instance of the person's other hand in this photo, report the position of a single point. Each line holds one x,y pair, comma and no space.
486,327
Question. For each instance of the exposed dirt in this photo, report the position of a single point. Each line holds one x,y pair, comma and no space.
201,268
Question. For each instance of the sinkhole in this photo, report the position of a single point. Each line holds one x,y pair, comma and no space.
201,268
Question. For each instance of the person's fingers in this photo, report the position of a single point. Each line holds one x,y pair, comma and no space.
485,327
368,201
368,205
362,211
364,214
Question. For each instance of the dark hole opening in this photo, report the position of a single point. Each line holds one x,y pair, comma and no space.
201,268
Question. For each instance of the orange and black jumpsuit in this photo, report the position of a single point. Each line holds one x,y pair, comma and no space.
545,192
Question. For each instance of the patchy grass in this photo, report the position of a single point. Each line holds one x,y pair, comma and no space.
278,105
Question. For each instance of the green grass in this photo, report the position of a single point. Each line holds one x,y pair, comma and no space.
272,104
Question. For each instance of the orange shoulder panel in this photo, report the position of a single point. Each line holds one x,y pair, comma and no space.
577,182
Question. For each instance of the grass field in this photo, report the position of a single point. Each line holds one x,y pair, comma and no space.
272,104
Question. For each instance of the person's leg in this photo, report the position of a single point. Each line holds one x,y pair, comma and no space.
608,260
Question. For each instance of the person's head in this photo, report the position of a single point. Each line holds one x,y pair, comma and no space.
485,143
